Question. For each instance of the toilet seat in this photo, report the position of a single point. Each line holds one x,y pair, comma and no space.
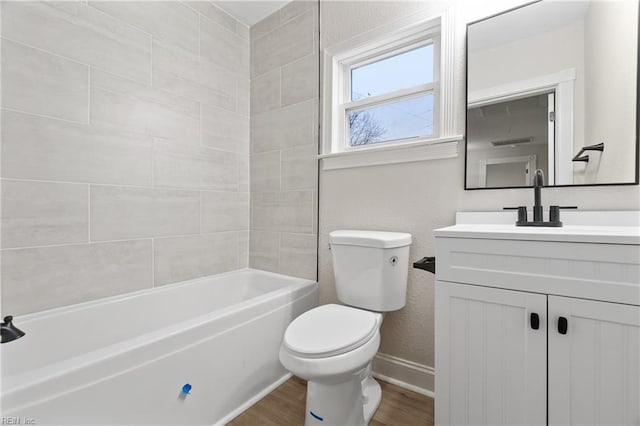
330,330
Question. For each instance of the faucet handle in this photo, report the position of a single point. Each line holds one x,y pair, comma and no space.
554,212
522,212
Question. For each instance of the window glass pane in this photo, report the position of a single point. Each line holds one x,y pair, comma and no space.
406,69
403,119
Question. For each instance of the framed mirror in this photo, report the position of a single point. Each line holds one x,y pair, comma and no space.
553,85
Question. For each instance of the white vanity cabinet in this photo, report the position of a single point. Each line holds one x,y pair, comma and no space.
594,369
537,326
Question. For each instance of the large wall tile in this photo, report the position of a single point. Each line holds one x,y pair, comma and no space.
285,44
265,92
41,278
264,26
224,211
183,258
214,13
169,21
37,82
263,250
290,211
243,173
295,8
80,32
265,172
137,114
225,130
300,80
145,92
243,249
299,124
284,128
119,213
296,212
123,122
243,97
43,213
298,255
242,30
266,131
47,149
299,168
205,169
284,141
183,73
224,47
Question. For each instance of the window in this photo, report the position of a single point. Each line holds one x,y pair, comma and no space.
388,94
392,99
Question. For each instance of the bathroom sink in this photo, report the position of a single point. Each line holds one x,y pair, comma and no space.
604,227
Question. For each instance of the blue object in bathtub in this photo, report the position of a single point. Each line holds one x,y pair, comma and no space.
186,389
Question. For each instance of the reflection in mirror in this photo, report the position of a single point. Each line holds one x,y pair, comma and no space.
543,82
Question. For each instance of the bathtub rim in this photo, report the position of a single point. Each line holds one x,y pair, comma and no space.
53,312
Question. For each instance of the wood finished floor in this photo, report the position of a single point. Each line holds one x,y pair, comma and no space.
285,406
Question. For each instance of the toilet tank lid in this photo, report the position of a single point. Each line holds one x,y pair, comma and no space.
377,239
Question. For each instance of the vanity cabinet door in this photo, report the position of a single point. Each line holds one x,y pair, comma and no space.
490,356
594,362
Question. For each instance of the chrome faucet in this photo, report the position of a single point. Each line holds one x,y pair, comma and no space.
538,219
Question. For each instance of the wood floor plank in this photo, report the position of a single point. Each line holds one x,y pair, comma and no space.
285,406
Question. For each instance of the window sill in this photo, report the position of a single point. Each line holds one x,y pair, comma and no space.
431,149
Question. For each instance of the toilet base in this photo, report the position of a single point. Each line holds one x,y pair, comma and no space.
352,402
372,397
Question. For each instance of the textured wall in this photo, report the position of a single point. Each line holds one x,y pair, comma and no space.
125,148
284,142
421,196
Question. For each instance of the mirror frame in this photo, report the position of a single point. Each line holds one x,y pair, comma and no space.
466,109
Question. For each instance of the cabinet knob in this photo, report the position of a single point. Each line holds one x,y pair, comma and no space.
563,325
534,321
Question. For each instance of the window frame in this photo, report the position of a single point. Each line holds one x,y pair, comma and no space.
375,53
444,144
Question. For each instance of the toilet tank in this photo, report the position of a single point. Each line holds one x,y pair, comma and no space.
370,268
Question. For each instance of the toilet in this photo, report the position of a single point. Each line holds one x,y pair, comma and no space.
332,346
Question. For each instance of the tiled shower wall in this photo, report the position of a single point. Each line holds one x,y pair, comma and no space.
125,149
284,140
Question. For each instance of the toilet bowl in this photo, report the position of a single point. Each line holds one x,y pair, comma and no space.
332,346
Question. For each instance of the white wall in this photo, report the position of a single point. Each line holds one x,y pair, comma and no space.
421,196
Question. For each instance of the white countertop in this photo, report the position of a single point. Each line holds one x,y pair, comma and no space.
612,227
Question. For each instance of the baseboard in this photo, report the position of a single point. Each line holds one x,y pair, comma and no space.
404,373
241,409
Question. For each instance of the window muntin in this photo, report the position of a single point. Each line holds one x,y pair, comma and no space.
399,71
408,118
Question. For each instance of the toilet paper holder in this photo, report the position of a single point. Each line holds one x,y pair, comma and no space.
427,264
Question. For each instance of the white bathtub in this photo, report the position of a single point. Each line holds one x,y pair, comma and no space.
124,360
